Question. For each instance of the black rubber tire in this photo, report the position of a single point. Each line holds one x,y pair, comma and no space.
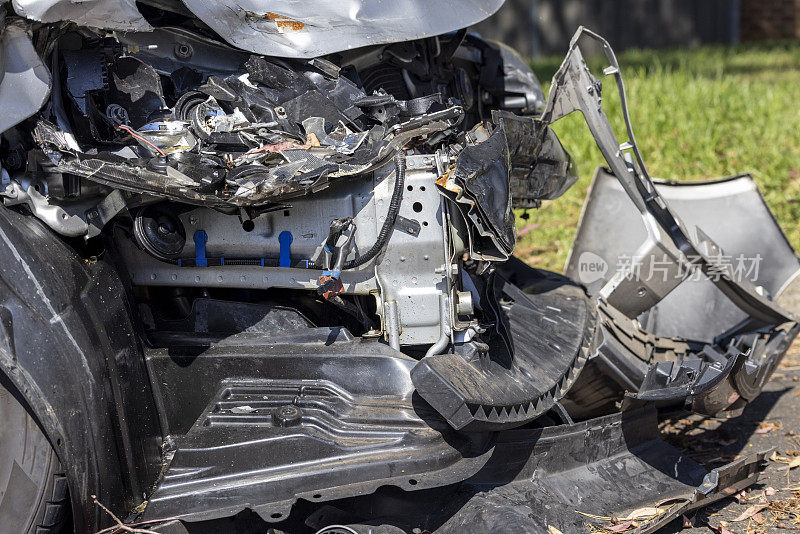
34,498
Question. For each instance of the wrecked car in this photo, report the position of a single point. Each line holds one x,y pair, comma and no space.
258,275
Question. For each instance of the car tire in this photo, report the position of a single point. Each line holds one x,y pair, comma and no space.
34,497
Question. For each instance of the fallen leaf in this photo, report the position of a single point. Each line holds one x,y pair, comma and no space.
719,530
775,458
750,512
553,530
648,512
688,522
770,491
671,501
600,517
765,427
794,463
621,527
741,497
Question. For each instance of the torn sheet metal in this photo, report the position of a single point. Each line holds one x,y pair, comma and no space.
132,127
242,140
518,164
288,28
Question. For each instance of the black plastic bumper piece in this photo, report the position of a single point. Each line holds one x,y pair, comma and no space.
561,476
553,331
712,380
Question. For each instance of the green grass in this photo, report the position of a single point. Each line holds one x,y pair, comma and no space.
697,114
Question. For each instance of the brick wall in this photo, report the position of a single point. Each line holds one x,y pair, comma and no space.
770,19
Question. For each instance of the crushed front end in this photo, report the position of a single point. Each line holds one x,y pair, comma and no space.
289,285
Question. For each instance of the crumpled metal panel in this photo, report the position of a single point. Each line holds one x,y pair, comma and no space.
289,28
108,14
520,164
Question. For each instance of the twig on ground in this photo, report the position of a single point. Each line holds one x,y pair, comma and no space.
120,525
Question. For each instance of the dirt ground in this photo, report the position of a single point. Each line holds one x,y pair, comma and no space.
773,504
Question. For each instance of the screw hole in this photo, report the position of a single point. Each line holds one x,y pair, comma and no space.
422,188
424,223
248,225
317,496
285,213
410,187
276,515
417,206
413,481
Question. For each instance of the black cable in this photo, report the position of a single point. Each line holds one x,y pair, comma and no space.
391,215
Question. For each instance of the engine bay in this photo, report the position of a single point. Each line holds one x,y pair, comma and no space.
232,170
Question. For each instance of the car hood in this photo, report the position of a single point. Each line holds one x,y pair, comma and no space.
286,28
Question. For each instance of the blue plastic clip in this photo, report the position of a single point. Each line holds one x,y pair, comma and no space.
334,273
200,240
285,239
